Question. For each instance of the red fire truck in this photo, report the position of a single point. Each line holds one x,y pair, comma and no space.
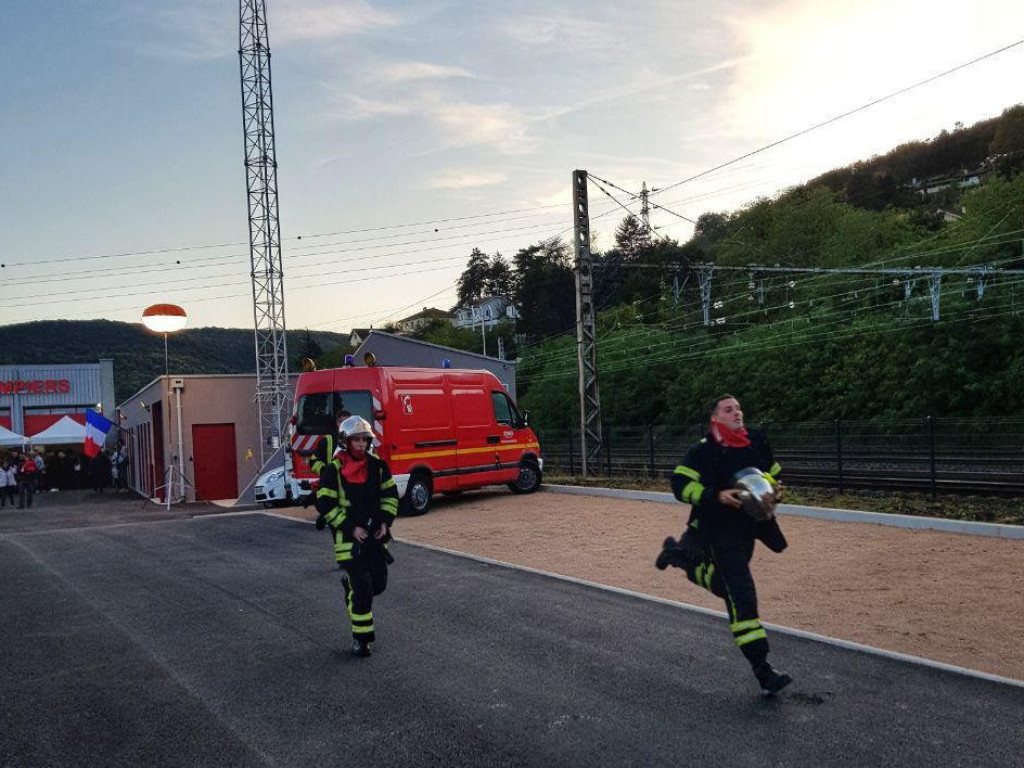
440,431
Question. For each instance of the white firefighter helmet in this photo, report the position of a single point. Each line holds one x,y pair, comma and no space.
355,426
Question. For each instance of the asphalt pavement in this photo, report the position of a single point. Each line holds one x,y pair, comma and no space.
222,641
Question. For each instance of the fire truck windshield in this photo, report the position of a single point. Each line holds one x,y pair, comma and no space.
319,412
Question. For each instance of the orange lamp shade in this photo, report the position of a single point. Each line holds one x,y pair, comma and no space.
164,318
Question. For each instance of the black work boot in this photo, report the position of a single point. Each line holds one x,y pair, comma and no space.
770,679
361,648
664,559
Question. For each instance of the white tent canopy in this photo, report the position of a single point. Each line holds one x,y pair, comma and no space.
9,439
67,431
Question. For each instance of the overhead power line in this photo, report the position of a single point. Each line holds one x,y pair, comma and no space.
206,246
831,120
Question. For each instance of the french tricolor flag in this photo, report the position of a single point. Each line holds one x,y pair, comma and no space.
96,429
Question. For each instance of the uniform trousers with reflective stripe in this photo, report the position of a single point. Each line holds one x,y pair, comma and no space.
725,571
364,577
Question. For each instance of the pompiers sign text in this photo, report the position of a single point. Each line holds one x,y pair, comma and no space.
36,387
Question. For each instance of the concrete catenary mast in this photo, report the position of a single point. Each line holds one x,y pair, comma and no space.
264,227
586,328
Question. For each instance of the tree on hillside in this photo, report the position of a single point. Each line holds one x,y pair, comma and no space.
308,348
546,289
632,239
1008,143
709,227
500,280
445,334
473,280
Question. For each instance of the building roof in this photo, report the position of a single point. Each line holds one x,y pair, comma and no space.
484,300
452,350
428,313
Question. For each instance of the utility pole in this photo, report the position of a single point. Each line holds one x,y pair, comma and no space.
586,331
264,227
645,216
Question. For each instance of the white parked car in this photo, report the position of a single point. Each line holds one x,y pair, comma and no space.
272,490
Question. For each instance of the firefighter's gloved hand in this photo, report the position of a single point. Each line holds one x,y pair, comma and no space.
321,522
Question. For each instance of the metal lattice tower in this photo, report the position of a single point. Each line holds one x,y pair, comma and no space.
264,227
645,215
586,330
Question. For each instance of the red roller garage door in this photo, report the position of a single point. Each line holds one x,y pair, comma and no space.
215,461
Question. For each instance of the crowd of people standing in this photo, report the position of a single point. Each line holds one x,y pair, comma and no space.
23,473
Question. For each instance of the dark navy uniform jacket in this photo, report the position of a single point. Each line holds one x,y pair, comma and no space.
707,469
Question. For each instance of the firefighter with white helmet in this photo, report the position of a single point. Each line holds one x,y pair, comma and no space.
358,501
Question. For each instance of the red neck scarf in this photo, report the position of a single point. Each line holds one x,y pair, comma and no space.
354,470
730,438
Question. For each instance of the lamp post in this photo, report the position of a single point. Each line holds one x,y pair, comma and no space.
166,319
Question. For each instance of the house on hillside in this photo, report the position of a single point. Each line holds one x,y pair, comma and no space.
487,312
422,319
935,184
358,336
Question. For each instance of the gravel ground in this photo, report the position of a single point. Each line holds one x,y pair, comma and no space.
947,597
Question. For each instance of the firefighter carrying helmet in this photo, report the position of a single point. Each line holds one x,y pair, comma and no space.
758,494
355,426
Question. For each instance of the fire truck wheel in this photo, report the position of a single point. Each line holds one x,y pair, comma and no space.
529,478
417,496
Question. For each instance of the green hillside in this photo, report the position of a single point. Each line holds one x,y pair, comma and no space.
816,347
138,355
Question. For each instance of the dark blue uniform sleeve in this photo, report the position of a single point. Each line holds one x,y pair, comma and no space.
689,484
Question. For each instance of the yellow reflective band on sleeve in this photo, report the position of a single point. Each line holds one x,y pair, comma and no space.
699,573
748,624
335,517
757,634
389,483
389,504
326,493
775,470
692,492
708,574
690,473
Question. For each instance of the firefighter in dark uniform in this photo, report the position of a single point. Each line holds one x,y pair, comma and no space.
358,501
718,543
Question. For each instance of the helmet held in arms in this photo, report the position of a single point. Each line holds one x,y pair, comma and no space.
758,495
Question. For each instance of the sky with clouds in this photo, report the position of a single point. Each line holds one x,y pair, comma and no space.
410,132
